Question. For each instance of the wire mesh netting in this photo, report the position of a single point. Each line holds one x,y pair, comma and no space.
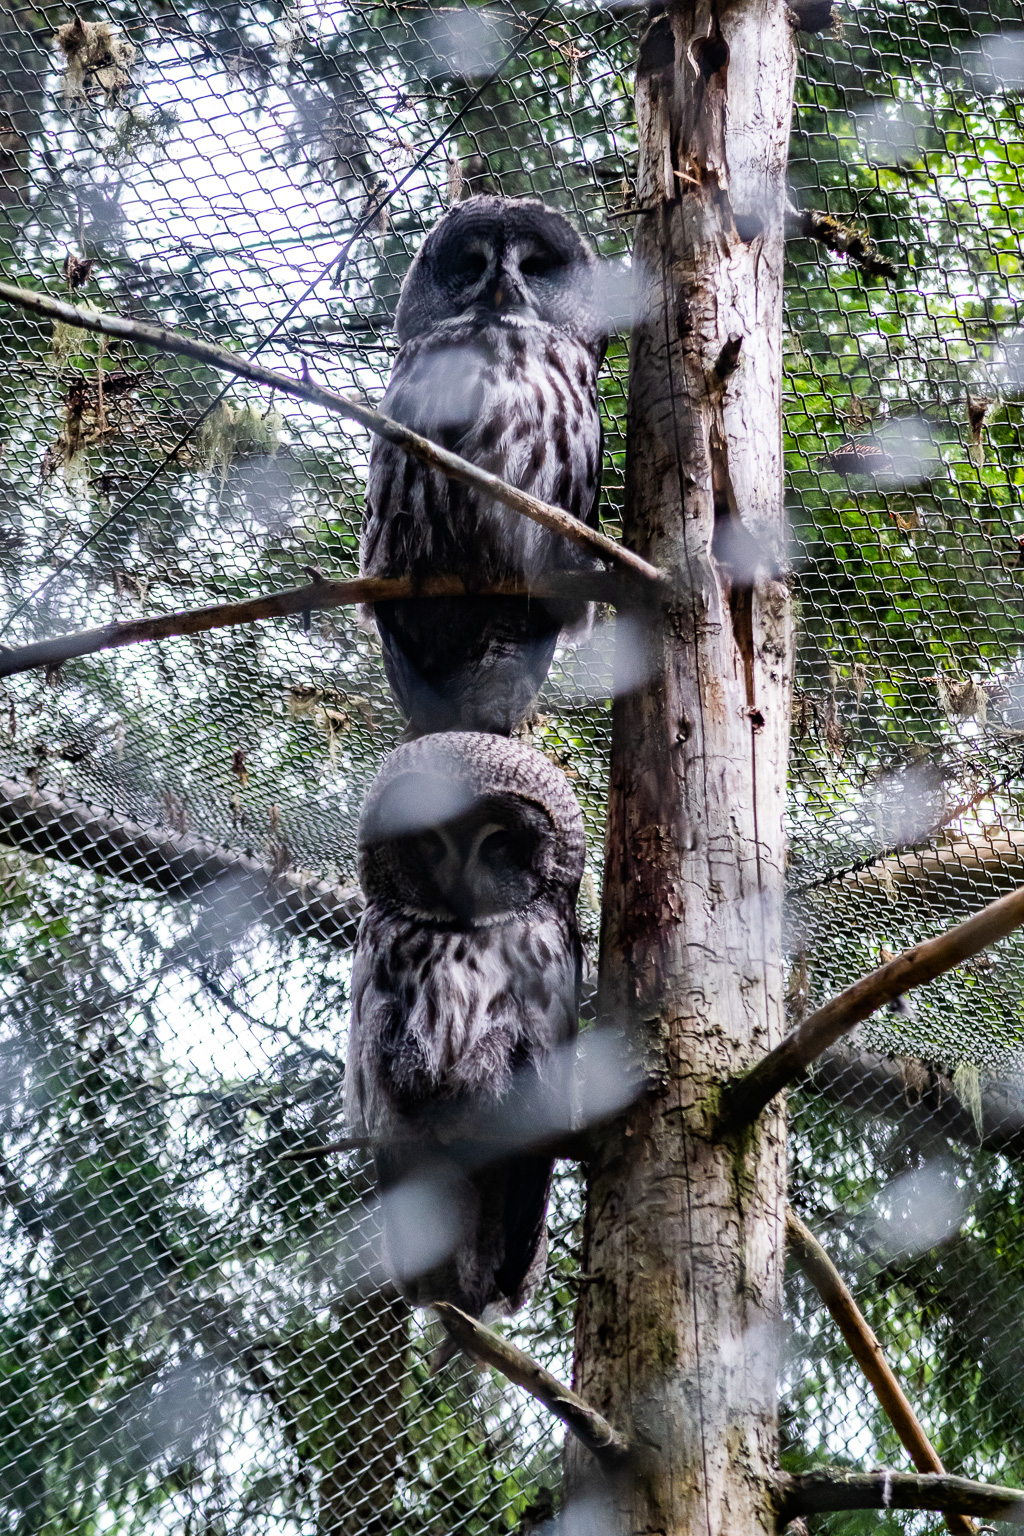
196,1332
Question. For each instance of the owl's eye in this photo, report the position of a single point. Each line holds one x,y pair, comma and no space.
497,851
432,847
469,266
540,264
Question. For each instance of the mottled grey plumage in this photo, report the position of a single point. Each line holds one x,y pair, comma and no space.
501,341
465,984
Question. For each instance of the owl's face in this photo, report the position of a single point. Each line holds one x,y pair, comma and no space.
468,829
469,869
502,260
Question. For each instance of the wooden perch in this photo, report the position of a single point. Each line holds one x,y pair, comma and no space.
814,1493
906,1089
745,1098
175,863
489,1347
320,594
867,1352
554,519
570,1144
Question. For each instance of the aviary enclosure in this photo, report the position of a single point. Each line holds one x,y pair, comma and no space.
798,747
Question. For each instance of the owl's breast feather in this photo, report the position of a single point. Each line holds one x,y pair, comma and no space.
439,1014
519,400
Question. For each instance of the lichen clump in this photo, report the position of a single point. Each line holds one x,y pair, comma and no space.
99,61
231,434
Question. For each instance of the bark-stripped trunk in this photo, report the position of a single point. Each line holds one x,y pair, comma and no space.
684,1240
23,64
362,1450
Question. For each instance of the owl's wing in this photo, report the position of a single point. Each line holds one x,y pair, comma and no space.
593,517
371,1021
438,388
510,403
524,1186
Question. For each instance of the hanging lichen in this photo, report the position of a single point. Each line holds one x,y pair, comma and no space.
65,342
230,434
137,131
98,64
967,1087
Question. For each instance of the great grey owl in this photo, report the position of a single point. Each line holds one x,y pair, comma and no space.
465,986
501,341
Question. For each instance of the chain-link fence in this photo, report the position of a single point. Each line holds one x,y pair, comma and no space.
196,1334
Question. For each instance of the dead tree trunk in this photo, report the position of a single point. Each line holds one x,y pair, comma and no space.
684,1239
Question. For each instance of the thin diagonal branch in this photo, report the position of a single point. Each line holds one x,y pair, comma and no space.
554,519
745,1098
867,1352
815,1492
585,1422
320,594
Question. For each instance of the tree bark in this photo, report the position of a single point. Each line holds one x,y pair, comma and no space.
361,1409
684,1240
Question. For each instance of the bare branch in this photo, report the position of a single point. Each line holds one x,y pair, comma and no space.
175,863
867,1352
912,1091
320,594
585,1422
815,1492
554,519
958,871
745,1098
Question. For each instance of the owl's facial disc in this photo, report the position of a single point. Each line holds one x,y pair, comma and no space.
481,865
456,857
518,276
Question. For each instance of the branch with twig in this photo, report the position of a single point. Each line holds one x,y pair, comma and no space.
554,519
867,1352
320,594
745,1097
489,1347
814,1493
854,244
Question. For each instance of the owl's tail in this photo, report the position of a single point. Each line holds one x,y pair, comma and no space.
472,1235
